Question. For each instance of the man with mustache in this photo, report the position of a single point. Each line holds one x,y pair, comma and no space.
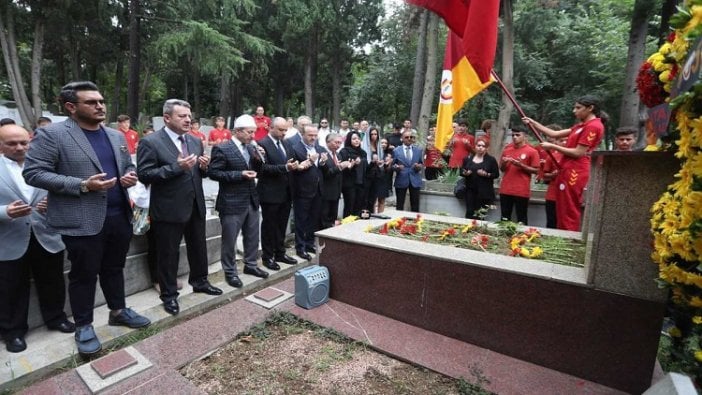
86,168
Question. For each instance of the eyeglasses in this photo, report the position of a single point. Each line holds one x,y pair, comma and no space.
480,145
409,137
91,102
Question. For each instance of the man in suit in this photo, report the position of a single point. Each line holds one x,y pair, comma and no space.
331,187
302,121
274,193
307,189
86,169
237,201
28,248
172,162
407,163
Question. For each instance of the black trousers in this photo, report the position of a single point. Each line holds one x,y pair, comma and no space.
521,204
551,214
474,203
168,237
47,270
401,193
354,199
151,256
273,226
330,212
100,255
307,213
432,173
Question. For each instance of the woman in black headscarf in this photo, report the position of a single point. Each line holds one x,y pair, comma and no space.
353,178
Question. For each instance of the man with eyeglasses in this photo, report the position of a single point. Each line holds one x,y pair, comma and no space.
86,169
408,164
519,161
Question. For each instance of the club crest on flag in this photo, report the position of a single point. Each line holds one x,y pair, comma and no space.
446,95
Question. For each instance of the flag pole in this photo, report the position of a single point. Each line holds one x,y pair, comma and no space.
521,113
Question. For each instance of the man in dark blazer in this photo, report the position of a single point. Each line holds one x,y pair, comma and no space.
86,169
274,194
331,186
237,200
307,189
407,164
27,248
172,162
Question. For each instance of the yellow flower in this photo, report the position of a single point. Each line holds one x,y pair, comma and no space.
467,228
696,301
537,252
349,219
698,356
674,332
368,229
697,319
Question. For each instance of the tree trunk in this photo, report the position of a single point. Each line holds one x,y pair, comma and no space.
419,67
74,56
134,57
9,51
498,135
310,72
196,92
225,100
336,90
37,58
667,10
279,100
117,93
629,111
432,43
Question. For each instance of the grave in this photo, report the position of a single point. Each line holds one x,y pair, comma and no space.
600,322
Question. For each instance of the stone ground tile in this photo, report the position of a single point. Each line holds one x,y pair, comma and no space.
164,381
269,297
113,363
97,384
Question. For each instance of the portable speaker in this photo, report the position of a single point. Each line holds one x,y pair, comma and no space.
311,286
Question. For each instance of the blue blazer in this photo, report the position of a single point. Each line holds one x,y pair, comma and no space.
59,158
15,233
407,177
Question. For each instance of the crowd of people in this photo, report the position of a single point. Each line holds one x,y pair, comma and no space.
68,191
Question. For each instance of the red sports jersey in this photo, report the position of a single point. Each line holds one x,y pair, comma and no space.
515,180
219,135
132,138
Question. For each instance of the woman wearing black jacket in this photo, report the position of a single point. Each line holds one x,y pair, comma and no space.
353,179
480,170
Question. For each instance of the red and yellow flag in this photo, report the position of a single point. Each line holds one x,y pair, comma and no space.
470,54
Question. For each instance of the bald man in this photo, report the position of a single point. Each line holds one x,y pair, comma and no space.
27,248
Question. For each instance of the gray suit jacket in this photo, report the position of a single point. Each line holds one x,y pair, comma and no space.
59,158
14,233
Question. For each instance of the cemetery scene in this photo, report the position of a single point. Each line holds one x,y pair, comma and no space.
360,197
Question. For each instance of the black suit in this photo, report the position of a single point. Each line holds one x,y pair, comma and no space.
275,197
177,208
480,190
237,203
331,191
307,197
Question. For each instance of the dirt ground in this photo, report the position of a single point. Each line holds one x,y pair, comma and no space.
286,355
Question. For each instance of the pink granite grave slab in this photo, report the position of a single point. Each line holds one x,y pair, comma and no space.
268,294
113,363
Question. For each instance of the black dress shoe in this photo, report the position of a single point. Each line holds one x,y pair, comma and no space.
207,288
16,344
304,255
270,264
234,281
171,307
256,272
64,326
311,250
287,259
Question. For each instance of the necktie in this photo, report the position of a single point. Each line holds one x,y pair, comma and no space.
245,153
408,153
183,146
280,148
